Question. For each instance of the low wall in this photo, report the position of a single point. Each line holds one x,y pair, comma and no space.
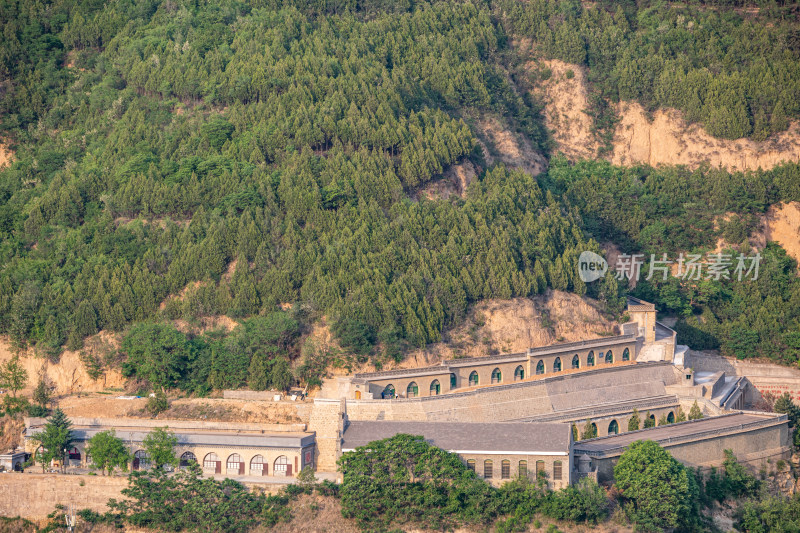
145,423
765,377
34,496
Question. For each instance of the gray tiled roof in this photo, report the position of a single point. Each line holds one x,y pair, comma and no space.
528,438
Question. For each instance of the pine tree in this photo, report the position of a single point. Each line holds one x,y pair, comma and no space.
55,438
574,432
681,416
589,430
649,420
785,405
695,413
634,422
13,376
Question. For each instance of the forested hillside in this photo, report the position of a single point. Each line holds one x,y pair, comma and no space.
179,159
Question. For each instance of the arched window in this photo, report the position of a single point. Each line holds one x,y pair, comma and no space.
557,470
671,417
523,468
473,379
452,381
539,468
613,428
609,357
211,462
488,469
519,373
435,387
590,359
412,390
540,367
258,467
576,361
505,469
557,365
388,392
626,355
497,376
235,464
471,464
187,458
653,421
282,466
141,461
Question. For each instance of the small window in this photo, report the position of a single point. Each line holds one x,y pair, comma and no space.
497,376
435,388
519,373
523,468
471,464
488,473
626,355
505,469
557,365
412,390
590,359
540,367
576,361
473,379
452,381
557,470
609,357
388,392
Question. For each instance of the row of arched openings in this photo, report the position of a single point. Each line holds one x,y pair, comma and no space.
412,390
522,468
613,426
258,464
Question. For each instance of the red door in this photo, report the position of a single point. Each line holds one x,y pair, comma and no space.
218,469
289,470
241,469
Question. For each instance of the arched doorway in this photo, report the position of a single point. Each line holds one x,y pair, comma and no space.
519,373
497,376
671,418
613,428
590,359
388,392
282,467
235,465
473,379
626,355
358,395
540,368
258,467
74,457
609,357
212,463
576,362
412,391
436,388
186,459
557,365
452,381
141,461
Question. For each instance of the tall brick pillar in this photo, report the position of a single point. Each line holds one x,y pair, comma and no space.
327,421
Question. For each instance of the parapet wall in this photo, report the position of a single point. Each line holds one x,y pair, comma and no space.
765,377
526,399
144,423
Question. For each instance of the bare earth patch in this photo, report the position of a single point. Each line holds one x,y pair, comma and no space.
453,182
69,374
513,150
565,115
663,139
504,326
782,225
668,139
6,156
